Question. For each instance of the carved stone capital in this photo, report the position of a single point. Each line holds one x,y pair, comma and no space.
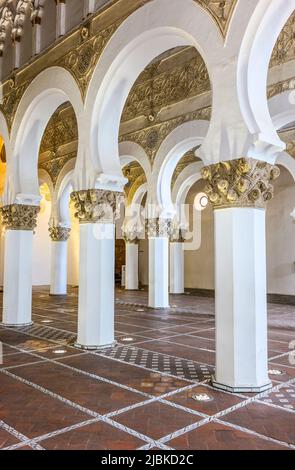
59,233
97,205
244,182
177,235
132,234
129,239
158,227
19,216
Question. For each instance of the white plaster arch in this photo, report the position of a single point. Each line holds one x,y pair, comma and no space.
135,214
4,132
64,187
45,94
185,180
130,152
44,177
151,30
177,143
265,25
139,194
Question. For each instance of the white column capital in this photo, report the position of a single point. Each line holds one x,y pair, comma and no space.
244,182
158,227
59,233
97,205
19,216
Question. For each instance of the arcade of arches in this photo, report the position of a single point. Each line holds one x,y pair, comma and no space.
147,251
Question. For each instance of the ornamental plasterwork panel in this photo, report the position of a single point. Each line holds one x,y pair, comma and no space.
151,137
154,90
82,60
61,129
11,99
137,183
221,12
284,49
188,158
280,87
132,172
54,165
291,148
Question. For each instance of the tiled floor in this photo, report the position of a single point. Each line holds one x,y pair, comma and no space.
140,394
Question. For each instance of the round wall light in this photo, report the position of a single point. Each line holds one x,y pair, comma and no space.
201,202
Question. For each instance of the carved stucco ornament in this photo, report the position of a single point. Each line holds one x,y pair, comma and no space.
97,205
19,216
244,182
177,234
158,227
59,233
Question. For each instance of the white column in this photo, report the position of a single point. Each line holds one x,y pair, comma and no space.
158,272
36,37
17,297
2,251
96,285
58,280
60,18
16,50
176,268
131,277
241,306
89,7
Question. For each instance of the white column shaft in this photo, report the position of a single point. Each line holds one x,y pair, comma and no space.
131,279
16,50
241,308
36,39
17,297
58,282
60,19
176,268
96,285
159,272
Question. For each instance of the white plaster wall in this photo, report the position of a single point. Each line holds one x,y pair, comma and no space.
41,247
73,251
281,237
199,264
42,250
143,256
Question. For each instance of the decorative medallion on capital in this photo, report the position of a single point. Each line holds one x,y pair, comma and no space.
59,233
19,216
158,228
244,182
97,205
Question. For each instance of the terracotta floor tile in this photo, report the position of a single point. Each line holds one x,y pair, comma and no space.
221,401
93,394
177,350
215,436
284,397
135,377
266,420
7,439
97,436
148,366
156,420
31,412
17,359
